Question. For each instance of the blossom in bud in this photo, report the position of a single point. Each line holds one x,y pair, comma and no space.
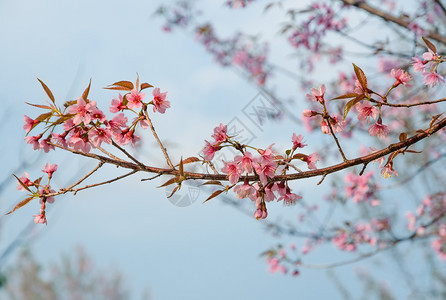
308,113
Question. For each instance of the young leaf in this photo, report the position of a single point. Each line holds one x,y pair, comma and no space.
87,90
121,86
299,156
216,182
22,184
137,81
429,45
346,96
214,194
190,160
21,204
47,90
39,106
181,167
361,77
145,85
174,191
44,117
170,181
352,103
403,136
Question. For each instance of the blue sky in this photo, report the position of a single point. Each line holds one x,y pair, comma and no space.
197,252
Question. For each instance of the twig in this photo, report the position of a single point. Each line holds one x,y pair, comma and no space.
443,8
128,154
390,18
158,139
151,178
336,140
408,105
108,153
85,177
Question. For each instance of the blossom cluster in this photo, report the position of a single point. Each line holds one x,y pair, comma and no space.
265,165
361,188
428,67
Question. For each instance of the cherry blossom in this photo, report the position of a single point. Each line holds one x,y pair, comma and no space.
135,99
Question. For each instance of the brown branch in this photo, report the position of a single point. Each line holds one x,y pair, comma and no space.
85,177
408,105
443,8
158,139
336,140
294,176
128,154
390,18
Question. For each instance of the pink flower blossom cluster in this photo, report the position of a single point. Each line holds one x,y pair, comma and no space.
310,32
432,207
238,3
86,127
428,68
349,238
361,188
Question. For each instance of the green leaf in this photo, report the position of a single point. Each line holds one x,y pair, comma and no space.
47,90
361,77
214,194
352,103
429,45
346,96
21,204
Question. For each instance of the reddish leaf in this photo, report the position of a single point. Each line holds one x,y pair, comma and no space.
87,90
174,191
352,103
38,180
361,77
190,160
429,45
63,119
170,181
181,167
47,90
216,182
121,85
403,136
39,106
145,85
69,103
346,96
299,156
44,117
21,204
137,81
22,184
214,194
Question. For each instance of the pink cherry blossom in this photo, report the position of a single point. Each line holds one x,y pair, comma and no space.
118,121
45,144
50,169
401,77
159,101
265,169
60,139
46,190
34,140
297,141
25,179
82,111
97,114
317,94
244,190
245,162
210,149
308,113
432,79
117,105
379,129
220,133
310,160
29,123
135,99
98,135
232,170
365,111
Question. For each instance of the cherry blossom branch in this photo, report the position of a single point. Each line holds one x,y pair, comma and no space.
336,140
390,18
126,153
158,139
294,176
85,177
107,153
408,105
443,8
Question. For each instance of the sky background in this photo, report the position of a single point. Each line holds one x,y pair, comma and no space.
208,251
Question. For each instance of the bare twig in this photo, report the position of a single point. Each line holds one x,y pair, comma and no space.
158,140
85,177
128,154
410,104
336,140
